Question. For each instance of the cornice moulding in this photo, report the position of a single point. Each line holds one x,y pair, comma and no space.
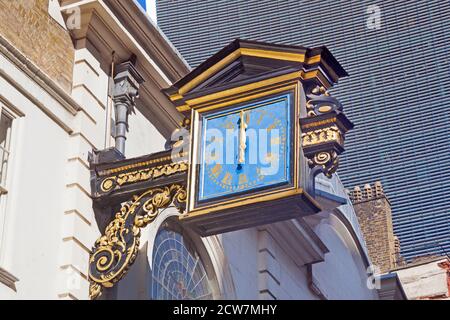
151,38
121,27
298,240
8,279
32,71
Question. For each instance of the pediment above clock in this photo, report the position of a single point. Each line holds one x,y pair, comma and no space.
243,62
243,69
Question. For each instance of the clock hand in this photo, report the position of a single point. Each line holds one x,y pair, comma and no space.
242,138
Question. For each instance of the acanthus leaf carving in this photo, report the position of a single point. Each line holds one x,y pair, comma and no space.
116,250
113,182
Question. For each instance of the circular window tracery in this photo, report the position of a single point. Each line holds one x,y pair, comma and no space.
178,272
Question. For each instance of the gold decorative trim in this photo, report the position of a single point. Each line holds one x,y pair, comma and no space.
327,160
260,197
175,97
209,72
137,165
319,123
183,108
314,59
134,165
142,175
323,140
322,136
259,92
108,184
116,250
194,103
246,88
277,55
240,99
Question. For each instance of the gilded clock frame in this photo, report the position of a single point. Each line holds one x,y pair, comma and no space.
245,106
223,100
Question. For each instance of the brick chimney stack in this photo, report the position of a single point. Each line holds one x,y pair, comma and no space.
373,210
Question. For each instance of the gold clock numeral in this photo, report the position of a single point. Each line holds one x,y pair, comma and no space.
243,178
227,179
229,125
270,157
271,127
216,170
276,123
259,173
261,116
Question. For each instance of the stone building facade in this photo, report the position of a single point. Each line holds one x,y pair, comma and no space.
27,25
427,278
57,59
54,78
424,278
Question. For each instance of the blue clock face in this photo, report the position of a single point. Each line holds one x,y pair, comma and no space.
245,148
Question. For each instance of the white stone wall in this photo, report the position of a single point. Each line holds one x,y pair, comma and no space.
343,274
49,226
33,215
144,138
263,270
425,280
90,87
241,250
280,277
251,264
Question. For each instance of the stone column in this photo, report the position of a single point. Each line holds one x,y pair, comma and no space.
126,86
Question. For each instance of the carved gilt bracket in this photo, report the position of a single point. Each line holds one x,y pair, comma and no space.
323,131
116,250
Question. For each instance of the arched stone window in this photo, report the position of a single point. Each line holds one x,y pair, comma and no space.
180,268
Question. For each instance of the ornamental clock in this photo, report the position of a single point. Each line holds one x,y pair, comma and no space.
261,125
245,105
246,148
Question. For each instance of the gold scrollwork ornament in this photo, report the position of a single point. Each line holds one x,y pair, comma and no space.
107,184
116,250
112,182
328,161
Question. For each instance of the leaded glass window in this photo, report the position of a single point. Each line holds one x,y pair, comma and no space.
178,272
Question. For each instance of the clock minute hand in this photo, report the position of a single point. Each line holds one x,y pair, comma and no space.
242,138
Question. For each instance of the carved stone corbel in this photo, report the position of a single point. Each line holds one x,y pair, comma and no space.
116,250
